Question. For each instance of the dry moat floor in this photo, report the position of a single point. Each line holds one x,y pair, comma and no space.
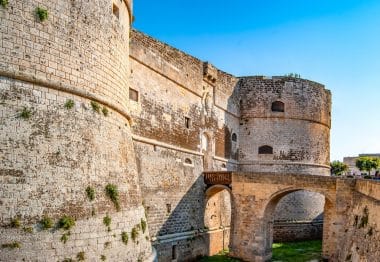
306,251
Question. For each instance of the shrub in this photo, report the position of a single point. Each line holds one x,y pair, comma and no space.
107,221
15,222
80,256
46,223
95,106
105,111
42,13
124,237
25,113
113,194
143,225
134,233
103,258
28,229
90,191
65,237
66,222
69,104
4,3
12,245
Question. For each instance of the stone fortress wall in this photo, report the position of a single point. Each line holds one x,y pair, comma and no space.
230,118
52,149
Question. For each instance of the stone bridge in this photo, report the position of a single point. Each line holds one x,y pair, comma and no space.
254,197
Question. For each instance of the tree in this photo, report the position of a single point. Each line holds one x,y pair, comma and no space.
367,163
338,168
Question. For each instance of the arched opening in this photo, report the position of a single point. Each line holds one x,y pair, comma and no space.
284,229
234,137
278,106
265,150
217,218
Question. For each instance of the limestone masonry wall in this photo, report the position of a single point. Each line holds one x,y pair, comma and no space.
65,127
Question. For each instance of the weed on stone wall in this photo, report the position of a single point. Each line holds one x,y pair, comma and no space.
143,225
107,222
12,245
103,258
105,111
15,222
81,256
113,194
42,13
25,113
124,237
66,223
95,106
65,237
4,3
69,104
90,191
46,223
107,244
27,229
135,233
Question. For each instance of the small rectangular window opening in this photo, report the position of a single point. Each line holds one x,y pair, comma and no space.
115,10
187,122
174,252
133,95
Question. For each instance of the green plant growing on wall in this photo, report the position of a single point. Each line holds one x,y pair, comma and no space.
103,258
65,237
25,113
46,223
81,256
12,245
4,3
15,222
42,13
90,191
124,237
143,225
113,194
28,229
107,222
105,111
66,223
95,106
69,104
135,233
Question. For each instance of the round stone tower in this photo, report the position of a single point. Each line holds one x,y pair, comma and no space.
68,177
285,128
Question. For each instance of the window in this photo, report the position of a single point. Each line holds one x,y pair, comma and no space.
174,252
188,161
234,137
265,150
278,106
187,122
115,10
133,95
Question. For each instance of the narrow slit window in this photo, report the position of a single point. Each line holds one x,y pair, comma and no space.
115,11
133,95
278,106
265,150
234,137
187,122
174,252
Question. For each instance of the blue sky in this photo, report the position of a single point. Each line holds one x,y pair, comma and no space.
336,43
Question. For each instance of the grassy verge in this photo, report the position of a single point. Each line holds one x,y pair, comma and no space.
282,252
297,251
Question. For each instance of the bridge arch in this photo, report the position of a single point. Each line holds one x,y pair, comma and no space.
268,213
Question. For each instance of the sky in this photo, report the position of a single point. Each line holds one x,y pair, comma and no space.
333,42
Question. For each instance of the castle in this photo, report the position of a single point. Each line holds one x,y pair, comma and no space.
105,134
